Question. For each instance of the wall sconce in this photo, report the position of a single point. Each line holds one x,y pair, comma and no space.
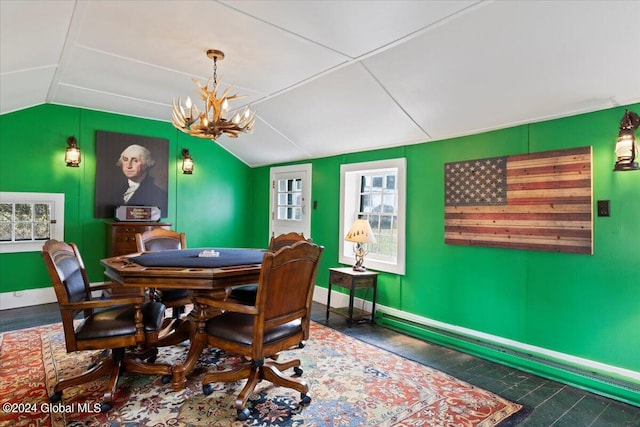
360,233
187,162
72,155
626,146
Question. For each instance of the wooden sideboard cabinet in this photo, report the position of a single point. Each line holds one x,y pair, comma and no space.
121,236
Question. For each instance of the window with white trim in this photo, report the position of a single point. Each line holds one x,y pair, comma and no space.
375,191
289,199
27,220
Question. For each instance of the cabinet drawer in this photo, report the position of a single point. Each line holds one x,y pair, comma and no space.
121,236
131,230
338,279
364,282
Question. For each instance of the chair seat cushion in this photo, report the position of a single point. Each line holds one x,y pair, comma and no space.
120,320
169,295
238,327
245,294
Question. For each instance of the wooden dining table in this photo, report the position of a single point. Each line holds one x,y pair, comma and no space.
210,271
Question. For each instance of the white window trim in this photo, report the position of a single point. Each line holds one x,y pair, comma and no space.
348,210
57,215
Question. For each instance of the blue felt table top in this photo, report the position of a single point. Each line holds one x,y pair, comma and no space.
189,258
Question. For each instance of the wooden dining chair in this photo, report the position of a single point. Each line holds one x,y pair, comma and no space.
246,294
279,320
115,324
160,239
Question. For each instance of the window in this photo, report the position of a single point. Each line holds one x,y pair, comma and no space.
29,219
375,191
289,199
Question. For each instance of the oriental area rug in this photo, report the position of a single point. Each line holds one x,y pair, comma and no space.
351,384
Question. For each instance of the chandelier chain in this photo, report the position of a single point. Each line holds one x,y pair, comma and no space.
215,70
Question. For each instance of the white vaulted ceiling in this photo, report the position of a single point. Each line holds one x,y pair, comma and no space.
327,77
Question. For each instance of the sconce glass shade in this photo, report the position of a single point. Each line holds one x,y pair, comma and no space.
626,145
360,233
72,155
626,151
187,162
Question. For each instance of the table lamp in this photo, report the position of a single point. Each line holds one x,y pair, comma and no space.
360,233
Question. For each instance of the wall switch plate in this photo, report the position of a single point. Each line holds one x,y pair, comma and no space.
603,208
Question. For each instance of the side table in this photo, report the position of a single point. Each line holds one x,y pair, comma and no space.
348,278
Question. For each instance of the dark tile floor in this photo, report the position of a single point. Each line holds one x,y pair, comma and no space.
550,403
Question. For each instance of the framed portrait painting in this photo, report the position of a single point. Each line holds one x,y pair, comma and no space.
130,170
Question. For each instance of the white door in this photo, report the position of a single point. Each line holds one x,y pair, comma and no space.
290,200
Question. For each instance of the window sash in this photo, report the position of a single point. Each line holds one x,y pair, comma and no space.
29,219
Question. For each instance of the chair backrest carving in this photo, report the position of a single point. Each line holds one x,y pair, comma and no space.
288,239
160,239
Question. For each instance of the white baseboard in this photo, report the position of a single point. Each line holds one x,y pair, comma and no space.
339,299
27,298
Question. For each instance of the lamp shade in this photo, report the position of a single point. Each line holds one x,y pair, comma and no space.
360,232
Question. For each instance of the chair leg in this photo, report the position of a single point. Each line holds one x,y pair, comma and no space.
118,357
255,376
107,400
271,373
283,366
98,371
241,372
149,368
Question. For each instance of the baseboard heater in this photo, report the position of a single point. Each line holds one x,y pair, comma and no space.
592,376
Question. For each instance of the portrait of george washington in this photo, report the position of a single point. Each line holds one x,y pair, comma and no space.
130,170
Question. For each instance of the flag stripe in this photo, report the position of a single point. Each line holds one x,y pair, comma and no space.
533,216
559,232
526,245
548,204
551,200
556,207
544,184
562,241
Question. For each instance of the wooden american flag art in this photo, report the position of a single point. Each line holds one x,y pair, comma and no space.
540,201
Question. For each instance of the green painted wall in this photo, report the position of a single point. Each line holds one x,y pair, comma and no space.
581,305
585,306
212,206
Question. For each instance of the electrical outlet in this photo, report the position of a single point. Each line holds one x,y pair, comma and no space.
603,208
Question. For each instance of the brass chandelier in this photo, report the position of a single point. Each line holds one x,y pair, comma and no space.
211,122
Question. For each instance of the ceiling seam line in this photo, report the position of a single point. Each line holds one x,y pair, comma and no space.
146,101
271,24
72,32
395,101
284,136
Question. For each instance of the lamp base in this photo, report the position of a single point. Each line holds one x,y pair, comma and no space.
626,167
359,252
